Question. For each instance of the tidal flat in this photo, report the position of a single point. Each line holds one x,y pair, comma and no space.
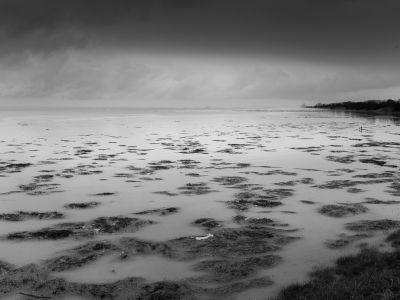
193,204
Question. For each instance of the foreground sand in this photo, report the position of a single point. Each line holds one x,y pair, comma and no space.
189,204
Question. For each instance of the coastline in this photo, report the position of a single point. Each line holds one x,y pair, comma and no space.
378,112
373,107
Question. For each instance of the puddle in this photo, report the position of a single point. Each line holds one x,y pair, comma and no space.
111,268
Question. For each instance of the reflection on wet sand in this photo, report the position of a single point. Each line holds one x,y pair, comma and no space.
189,204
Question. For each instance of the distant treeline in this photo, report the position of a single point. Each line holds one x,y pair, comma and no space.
370,105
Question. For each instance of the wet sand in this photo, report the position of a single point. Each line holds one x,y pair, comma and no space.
199,204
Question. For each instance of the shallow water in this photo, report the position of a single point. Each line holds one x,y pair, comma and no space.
114,151
109,269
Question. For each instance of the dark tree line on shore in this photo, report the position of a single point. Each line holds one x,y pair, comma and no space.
392,105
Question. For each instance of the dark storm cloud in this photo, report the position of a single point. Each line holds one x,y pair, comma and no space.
326,30
198,52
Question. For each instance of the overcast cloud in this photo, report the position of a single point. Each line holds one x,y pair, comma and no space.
198,53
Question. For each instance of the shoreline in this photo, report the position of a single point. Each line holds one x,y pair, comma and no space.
363,111
373,107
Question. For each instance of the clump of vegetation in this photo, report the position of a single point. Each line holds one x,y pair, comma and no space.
24,215
348,159
307,201
268,198
199,188
258,221
373,161
104,194
342,210
207,223
14,167
227,269
344,240
368,275
102,225
372,225
166,193
370,200
394,239
35,189
230,180
82,205
164,211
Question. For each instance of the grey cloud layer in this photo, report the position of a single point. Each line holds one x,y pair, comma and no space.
314,29
141,80
168,51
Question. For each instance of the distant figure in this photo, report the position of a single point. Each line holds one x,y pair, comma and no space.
361,129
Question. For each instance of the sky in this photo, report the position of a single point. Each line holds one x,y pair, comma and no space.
198,53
